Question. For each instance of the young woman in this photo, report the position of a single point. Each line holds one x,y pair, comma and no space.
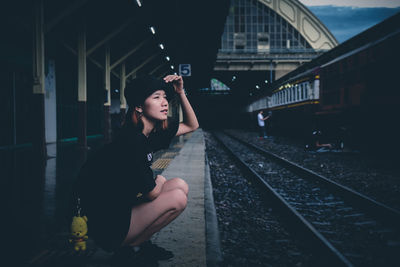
124,203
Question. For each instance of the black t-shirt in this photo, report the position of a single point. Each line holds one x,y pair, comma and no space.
117,177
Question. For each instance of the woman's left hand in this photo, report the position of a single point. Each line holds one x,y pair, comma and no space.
177,82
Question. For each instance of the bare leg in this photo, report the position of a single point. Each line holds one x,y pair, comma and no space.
164,220
175,183
149,218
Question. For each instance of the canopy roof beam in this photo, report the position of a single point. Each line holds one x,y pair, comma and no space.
68,47
141,65
66,12
111,35
116,63
158,68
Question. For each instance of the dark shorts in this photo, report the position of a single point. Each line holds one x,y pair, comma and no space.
108,225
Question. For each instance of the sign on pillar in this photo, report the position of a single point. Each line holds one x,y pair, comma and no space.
185,70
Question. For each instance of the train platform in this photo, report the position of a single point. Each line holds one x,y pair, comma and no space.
186,236
192,237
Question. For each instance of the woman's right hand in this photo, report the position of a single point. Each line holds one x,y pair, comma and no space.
177,82
160,180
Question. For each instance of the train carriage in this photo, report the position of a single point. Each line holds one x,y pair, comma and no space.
351,93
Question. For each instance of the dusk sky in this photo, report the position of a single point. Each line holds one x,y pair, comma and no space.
347,18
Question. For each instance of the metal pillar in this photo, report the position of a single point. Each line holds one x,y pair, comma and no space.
122,93
107,103
38,123
82,88
270,72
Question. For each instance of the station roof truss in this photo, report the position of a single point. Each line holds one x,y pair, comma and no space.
178,32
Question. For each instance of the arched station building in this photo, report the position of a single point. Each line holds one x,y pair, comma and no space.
262,41
269,38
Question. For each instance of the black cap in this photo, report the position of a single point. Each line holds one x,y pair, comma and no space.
142,87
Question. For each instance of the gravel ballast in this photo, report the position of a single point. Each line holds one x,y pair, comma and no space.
250,233
372,176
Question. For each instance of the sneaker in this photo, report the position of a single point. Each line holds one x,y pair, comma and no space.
126,256
155,251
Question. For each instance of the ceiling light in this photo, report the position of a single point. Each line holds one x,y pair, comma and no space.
153,31
167,58
138,3
172,66
161,46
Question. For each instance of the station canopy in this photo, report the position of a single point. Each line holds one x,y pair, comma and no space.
187,32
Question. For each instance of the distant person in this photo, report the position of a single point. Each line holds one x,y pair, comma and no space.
124,202
315,143
261,124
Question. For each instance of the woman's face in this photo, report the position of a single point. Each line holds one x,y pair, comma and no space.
155,107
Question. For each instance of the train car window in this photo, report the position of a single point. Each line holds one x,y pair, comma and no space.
301,93
292,94
287,95
305,92
298,92
284,97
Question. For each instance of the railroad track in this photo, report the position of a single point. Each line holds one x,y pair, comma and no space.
341,227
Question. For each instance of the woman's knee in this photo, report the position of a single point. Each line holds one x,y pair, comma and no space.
180,184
